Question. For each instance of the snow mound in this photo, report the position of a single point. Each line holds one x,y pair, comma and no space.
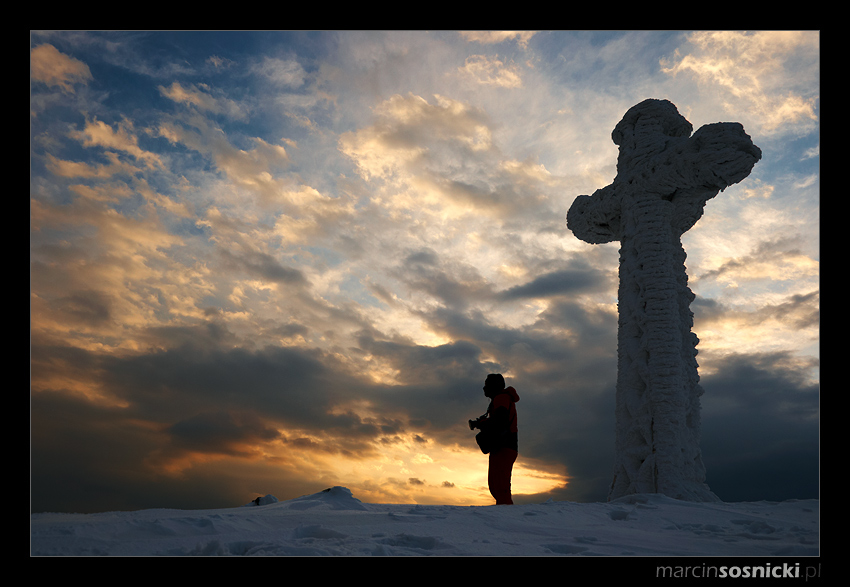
333,523
332,498
265,500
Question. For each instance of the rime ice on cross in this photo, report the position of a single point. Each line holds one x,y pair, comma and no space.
665,176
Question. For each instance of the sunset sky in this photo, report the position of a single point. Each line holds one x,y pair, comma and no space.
274,262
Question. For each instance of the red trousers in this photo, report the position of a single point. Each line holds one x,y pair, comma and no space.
499,475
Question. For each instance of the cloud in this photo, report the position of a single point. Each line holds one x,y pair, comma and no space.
257,170
49,66
221,432
491,71
796,312
776,260
412,135
87,307
71,169
792,321
491,37
310,215
439,159
108,276
760,420
264,266
219,62
760,73
555,283
455,284
97,133
203,100
254,405
421,366
282,72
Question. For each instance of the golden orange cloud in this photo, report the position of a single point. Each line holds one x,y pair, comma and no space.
53,68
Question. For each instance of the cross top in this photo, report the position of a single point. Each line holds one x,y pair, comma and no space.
659,159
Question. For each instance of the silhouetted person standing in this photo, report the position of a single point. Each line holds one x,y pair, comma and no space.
500,425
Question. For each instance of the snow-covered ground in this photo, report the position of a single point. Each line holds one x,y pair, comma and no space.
335,523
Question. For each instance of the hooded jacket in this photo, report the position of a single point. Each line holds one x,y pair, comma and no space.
502,418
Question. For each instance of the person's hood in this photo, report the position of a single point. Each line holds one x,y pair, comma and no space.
509,390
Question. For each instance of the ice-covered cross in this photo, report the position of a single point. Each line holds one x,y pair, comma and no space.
664,178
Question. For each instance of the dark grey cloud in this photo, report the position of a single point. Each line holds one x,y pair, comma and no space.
263,266
760,431
508,199
557,283
88,457
761,428
86,307
778,249
760,413
426,256
211,334
797,311
419,365
440,386
79,454
177,383
453,284
591,323
707,308
188,399
775,384
291,329
220,431
546,348
800,310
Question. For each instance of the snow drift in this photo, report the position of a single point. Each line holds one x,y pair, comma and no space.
335,523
